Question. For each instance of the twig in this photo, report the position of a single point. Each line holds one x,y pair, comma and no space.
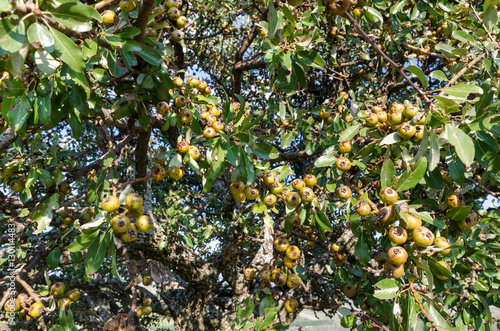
420,305
463,71
379,50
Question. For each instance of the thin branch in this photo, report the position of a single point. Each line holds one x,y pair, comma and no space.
463,71
388,59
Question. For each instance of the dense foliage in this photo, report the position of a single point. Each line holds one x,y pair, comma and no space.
227,164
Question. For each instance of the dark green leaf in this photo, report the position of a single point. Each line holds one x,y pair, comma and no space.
53,258
410,179
462,142
388,173
67,51
273,21
12,36
419,73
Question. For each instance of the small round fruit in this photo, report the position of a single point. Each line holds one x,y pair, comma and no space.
17,185
23,315
386,215
291,304
7,173
12,305
276,188
133,201
135,213
293,199
422,236
307,194
58,288
397,255
108,18
180,101
413,222
398,235
251,193
349,290
293,252
441,276
395,118
310,180
371,120
345,147
337,7
173,14
388,196
382,116
278,277
147,310
343,192
158,173
324,114
419,133
239,197
182,146
249,273
268,178
144,223
177,36
469,221
175,172
130,234
289,263
298,184
410,111
209,132
218,126
270,200
36,309
64,303
396,107
147,301
343,164
74,295
281,244
443,243
455,200
237,187
362,208
335,247
293,281
147,280
162,108
23,297
394,271
406,131
265,275
138,312
128,5
194,152
120,223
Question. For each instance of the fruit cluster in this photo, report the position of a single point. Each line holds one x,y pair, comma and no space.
121,223
29,308
120,322
144,309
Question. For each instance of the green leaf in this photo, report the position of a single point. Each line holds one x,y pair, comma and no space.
76,16
5,5
436,317
299,73
288,15
53,258
485,305
375,13
439,75
12,36
388,173
455,168
325,161
45,62
388,289
362,251
348,321
410,179
273,22
463,36
67,51
265,151
463,144
390,139
39,33
487,156
462,90
150,55
349,133
97,252
19,114
270,314
490,17
267,301
419,73
82,242
458,213
323,221
398,6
